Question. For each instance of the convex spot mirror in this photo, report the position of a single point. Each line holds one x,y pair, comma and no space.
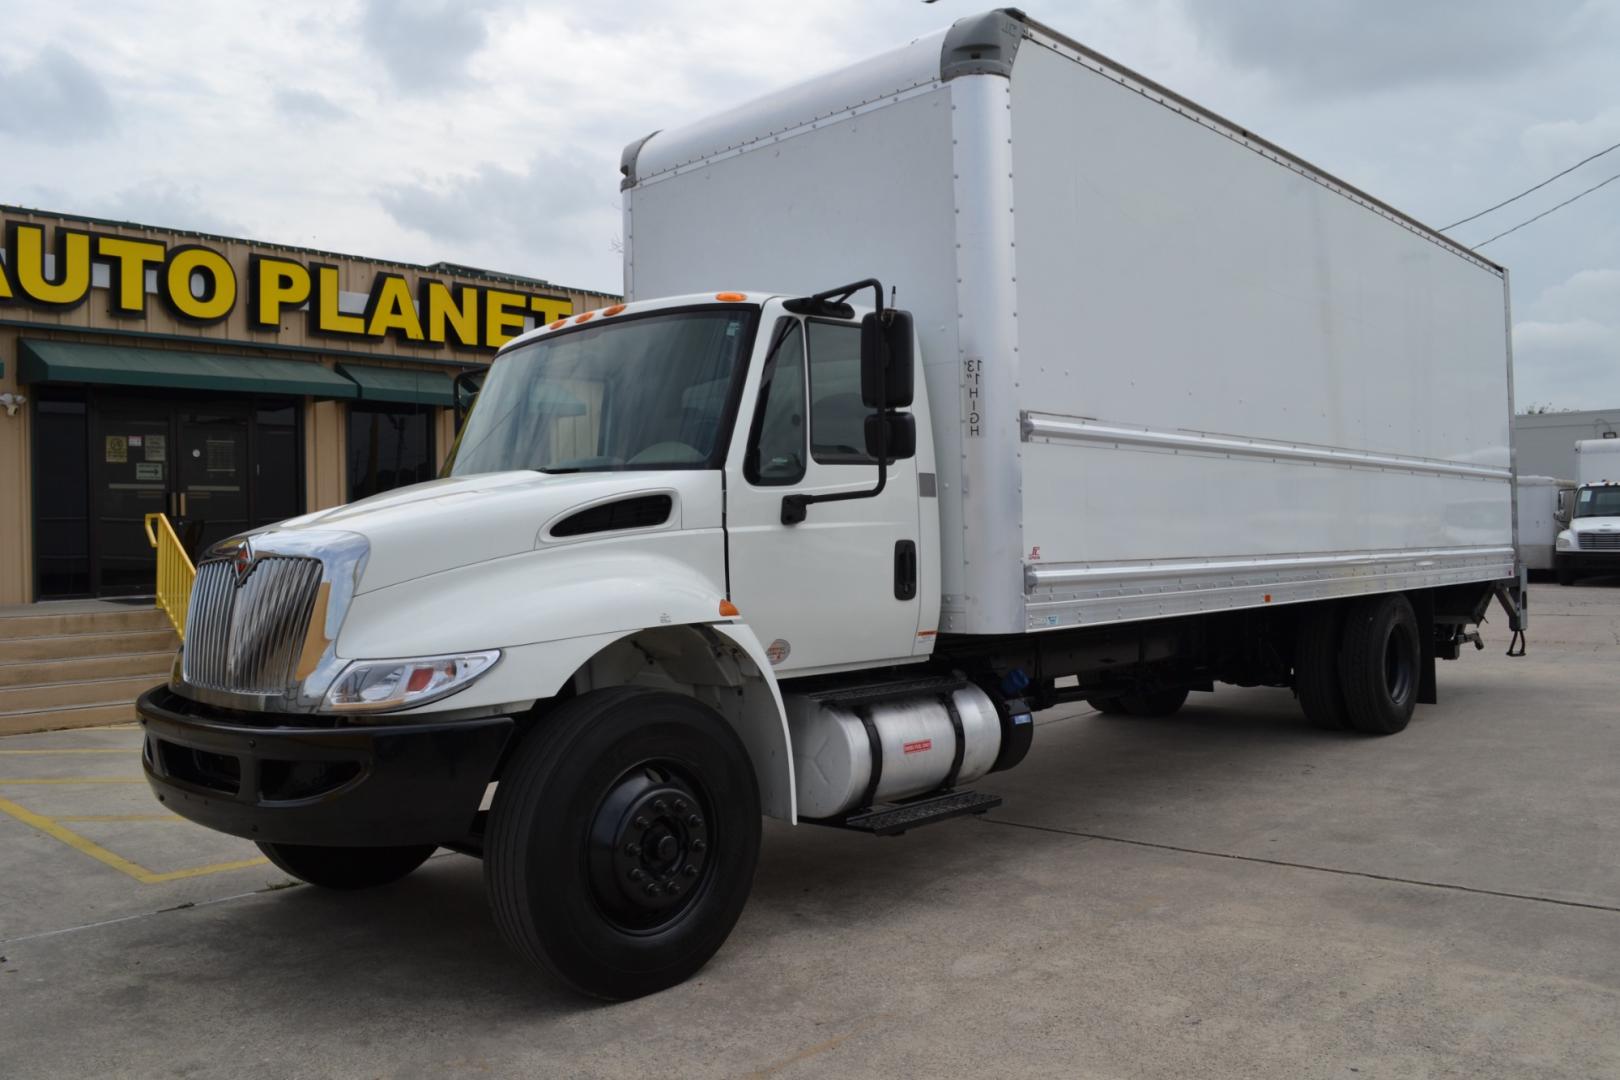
902,442
886,360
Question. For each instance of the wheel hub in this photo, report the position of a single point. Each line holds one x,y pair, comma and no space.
651,842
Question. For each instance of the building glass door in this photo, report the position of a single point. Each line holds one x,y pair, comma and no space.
216,467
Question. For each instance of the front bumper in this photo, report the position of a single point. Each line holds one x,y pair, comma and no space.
1588,562
357,786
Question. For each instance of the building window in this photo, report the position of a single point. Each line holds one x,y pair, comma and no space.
389,446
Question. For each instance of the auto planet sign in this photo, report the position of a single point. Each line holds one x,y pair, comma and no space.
198,284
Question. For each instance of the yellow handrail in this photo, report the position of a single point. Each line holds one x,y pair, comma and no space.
174,571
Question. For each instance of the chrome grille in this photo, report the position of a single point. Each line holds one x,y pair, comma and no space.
1599,541
245,636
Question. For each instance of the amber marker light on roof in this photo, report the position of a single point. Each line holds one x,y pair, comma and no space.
610,311
558,325
587,317
731,297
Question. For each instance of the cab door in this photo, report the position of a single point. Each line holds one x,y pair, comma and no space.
839,589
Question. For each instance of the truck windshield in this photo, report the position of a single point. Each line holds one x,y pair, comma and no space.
1598,502
637,393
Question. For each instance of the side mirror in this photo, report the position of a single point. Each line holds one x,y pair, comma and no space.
902,435
1561,512
887,360
463,389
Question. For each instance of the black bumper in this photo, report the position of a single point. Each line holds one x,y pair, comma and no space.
1588,562
341,786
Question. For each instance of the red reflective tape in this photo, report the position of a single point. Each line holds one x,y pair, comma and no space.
919,746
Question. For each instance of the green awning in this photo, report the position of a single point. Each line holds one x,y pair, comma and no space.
72,361
412,386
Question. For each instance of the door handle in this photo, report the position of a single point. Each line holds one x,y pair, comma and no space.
182,504
905,569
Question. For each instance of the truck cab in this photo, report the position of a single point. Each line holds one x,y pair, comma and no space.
1590,515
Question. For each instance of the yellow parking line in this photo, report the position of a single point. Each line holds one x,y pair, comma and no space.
89,847
79,780
118,817
199,871
74,840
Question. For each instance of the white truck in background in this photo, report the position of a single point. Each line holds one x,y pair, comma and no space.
1116,401
1543,509
1590,541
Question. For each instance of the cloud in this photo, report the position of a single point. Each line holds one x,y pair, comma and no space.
523,218
1567,349
424,45
1328,47
303,105
54,99
165,204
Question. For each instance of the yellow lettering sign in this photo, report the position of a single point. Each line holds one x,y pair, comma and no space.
550,308
503,316
450,309
274,284
199,285
390,309
128,259
25,250
325,316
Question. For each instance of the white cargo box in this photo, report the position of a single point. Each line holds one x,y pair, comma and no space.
1173,368
1597,461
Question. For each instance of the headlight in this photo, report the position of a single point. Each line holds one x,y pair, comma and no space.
384,685
1564,542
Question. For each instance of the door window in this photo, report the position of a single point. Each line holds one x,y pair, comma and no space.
776,444
389,447
837,414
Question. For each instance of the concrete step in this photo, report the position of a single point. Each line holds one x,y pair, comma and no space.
78,716
40,621
69,694
40,672
68,646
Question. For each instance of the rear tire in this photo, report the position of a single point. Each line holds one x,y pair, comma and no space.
1381,664
347,868
1108,706
622,841
1316,665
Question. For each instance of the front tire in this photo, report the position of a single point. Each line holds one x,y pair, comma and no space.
1563,573
622,841
347,868
1380,664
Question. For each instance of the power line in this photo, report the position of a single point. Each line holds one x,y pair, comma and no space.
1544,213
1528,190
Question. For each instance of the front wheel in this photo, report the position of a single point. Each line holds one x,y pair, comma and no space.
622,841
1563,573
347,867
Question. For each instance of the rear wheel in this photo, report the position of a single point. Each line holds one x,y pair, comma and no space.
1380,664
1108,706
622,841
1563,573
1316,665
347,867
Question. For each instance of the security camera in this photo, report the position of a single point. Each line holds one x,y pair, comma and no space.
11,402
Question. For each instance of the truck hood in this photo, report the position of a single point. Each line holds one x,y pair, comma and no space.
439,525
1583,525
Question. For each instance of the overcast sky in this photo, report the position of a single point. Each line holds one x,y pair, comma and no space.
488,132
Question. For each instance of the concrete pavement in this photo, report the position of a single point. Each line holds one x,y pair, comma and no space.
1228,892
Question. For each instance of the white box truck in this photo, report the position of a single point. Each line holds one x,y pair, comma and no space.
1590,541
1544,508
975,378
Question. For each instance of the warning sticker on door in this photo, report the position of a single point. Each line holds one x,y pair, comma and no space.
117,450
919,746
157,447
